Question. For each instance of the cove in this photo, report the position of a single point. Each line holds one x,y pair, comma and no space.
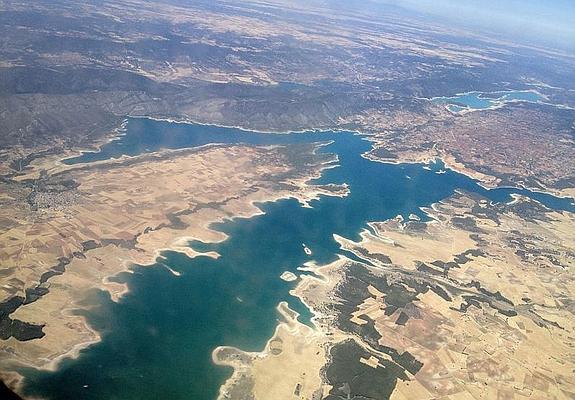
158,339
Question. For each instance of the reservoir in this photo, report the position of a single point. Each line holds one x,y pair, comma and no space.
472,101
158,339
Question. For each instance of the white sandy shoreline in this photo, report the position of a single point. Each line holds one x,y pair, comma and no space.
73,353
310,192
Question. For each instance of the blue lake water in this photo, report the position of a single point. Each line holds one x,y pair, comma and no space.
158,339
144,136
482,101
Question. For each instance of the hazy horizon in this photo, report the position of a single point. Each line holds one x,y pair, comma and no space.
535,21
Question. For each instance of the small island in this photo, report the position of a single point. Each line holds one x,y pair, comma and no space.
288,276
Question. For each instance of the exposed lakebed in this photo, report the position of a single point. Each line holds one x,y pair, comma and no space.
158,339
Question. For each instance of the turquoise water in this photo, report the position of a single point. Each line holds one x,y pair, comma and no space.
145,135
482,101
157,340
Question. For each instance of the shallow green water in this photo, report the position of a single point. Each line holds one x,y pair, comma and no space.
157,341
